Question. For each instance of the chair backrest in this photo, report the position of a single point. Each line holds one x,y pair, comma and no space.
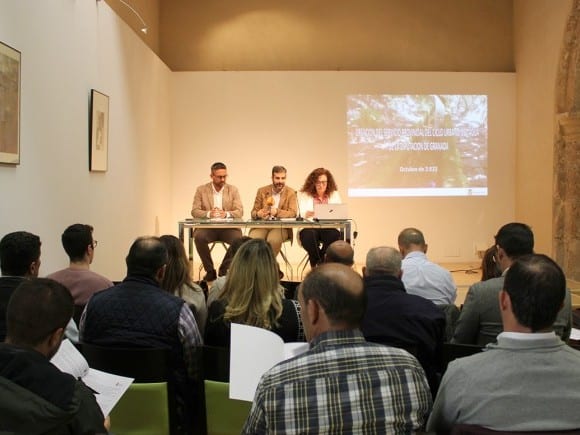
451,351
224,416
290,289
143,409
470,429
77,313
150,401
216,363
451,315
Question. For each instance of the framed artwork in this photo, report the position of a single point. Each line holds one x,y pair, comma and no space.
9,105
99,130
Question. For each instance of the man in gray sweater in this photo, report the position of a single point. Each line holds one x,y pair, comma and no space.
530,379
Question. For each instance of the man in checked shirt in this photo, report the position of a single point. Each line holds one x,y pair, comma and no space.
342,384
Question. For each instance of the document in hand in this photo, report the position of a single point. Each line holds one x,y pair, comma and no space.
108,388
254,351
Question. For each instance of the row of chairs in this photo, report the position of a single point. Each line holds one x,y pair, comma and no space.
148,407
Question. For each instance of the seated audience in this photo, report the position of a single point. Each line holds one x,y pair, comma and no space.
319,188
421,276
139,313
396,318
340,252
218,285
252,296
36,396
480,318
342,384
177,280
78,243
530,379
19,261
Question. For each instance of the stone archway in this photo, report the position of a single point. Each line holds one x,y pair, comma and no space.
566,186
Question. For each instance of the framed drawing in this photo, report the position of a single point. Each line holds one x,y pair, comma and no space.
9,105
99,129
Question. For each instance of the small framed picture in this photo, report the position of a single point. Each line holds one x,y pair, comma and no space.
9,105
99,130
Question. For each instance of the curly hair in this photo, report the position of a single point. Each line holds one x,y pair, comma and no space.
310,183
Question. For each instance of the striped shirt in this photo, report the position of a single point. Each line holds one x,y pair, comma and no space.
342,385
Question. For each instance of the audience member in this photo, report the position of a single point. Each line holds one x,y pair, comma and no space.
215,200
19,261
421,276
319,188
178,281
252,296
396,318
489,267
342,384
274,201
139,313
78,243
218,285
480,319
340,252
36,397
528,381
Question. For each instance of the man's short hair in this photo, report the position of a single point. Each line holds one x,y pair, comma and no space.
218,165
146,256
515,239
36,309
383,260
343,300
411,236
17,252
277,169
536,286
340,252
75,240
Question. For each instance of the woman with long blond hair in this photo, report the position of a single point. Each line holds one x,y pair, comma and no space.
252,296
178,281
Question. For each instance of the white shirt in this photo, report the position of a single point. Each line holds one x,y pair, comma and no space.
426,279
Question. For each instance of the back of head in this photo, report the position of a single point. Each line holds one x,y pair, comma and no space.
251,289
340,252
146,256
18,251
516,239
489,267
178,272
75,240
231,252
339,291
383,260
537,287
37,308
409,237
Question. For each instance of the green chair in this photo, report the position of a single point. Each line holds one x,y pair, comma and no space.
148,406
142,411
224,416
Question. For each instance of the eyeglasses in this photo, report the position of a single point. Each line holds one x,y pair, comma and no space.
321,183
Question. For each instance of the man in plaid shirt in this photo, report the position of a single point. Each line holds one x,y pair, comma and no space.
342,384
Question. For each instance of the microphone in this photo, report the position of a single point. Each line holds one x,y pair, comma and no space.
299,218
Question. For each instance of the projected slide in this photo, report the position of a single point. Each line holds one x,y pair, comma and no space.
417,145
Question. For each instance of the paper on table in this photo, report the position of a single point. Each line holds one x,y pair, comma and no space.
108,388
575,334
254,351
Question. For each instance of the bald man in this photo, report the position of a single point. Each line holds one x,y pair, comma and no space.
342,384
340,252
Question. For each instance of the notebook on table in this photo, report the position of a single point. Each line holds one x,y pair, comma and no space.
330,212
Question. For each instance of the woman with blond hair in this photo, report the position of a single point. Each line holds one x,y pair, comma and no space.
252,296
177,280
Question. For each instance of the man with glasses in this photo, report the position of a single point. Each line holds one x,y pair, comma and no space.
78,242
480,318
215,200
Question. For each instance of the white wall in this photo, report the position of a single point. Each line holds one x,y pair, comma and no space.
254,120
69,47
